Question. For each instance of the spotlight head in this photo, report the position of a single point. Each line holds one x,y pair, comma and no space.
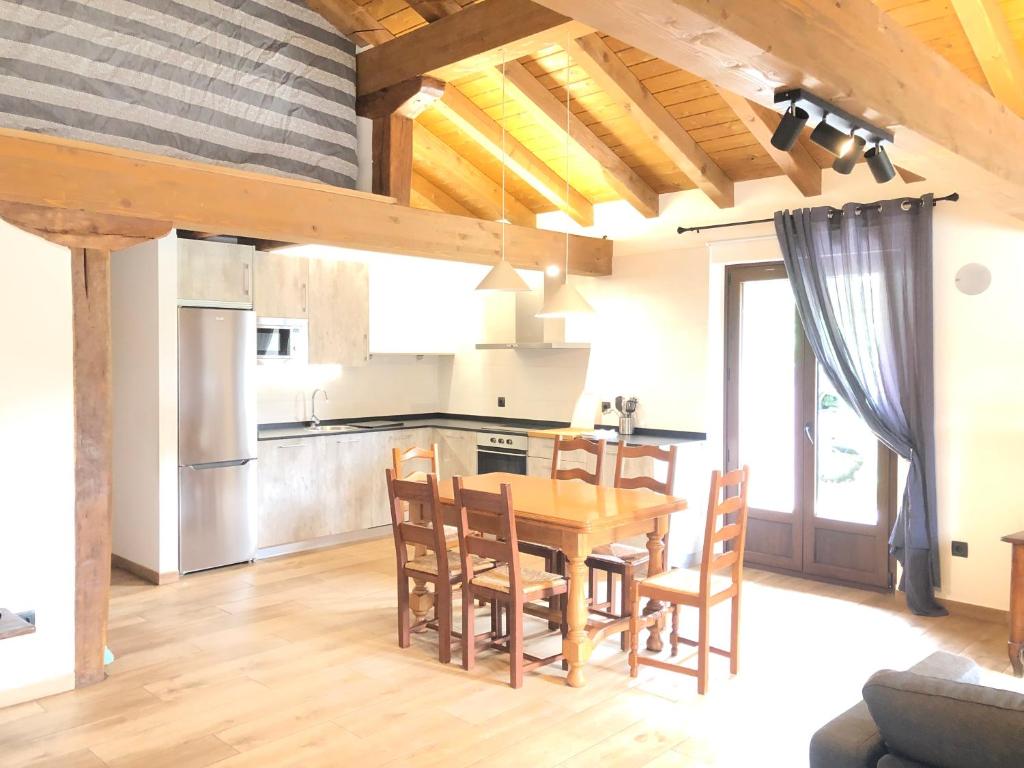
788,130
846,163
831,138
880,164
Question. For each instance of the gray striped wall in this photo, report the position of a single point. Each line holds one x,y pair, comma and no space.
263,85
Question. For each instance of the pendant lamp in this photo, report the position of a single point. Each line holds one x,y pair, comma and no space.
565,300
503,276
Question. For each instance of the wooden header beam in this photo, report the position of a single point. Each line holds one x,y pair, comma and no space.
475,38
850,53
61,173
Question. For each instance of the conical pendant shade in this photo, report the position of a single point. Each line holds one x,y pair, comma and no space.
502,278
564,301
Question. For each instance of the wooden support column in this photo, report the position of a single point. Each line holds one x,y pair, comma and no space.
91,238
90,294
392,157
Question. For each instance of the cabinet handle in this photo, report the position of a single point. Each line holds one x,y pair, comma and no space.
366,346
305,298
291,445
245,278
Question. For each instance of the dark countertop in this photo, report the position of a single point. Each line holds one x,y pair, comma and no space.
472,424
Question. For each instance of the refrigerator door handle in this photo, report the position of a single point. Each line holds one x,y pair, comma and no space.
219,464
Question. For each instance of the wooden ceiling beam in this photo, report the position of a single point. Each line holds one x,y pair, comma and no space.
426,194
548,112
850,53
409,98
432,10
352,20
614,78
985,24
437,160
458,109
81,229
464,43
76,175
797,164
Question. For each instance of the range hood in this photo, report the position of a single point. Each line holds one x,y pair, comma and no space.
510,322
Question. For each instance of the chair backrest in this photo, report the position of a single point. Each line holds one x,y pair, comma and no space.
664,455
726,525
400,456
430,533
502,548
568,445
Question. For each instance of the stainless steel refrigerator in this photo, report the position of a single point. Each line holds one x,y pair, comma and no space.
216,437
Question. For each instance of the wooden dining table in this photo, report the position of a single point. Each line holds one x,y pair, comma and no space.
575,517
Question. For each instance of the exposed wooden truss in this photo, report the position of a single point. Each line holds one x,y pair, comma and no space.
426,194
352,20
985,25
75,175
432,10
408,98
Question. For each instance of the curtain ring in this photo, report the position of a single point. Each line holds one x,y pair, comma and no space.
906,205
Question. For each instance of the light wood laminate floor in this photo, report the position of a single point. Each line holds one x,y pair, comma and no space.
293,662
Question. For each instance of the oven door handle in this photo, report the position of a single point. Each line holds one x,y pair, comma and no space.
512,454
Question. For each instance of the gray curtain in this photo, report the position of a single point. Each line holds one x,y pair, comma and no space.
862,278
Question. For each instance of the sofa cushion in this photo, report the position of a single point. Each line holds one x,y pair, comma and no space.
850,740
946,723
895,761
948,666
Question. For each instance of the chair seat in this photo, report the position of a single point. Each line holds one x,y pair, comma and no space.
427,563
532,581
625,553
684,581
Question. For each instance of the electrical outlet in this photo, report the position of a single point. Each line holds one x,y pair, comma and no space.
501,402
959,549
606,406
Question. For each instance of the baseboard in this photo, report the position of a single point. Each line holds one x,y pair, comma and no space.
144,573
324,542
979,612
37,690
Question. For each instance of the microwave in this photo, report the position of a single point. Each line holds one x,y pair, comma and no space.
281,339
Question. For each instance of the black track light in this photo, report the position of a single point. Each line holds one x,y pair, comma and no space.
788,130
846,163
831,138
880,164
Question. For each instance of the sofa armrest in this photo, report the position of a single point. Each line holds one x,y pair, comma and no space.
851,740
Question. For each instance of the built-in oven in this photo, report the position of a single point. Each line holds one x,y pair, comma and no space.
501,452
281,339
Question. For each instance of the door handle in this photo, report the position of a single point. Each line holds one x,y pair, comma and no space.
809,432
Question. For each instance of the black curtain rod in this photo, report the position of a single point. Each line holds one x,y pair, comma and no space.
953,197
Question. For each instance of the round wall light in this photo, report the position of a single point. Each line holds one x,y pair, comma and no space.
973,279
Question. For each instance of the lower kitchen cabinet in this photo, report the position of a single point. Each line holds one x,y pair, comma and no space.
291,502
458,452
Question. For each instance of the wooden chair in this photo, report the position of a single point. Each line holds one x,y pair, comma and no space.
704,589
398,458
506,585
425,566
621,559
554,560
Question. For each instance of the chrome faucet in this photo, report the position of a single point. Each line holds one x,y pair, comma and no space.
314,420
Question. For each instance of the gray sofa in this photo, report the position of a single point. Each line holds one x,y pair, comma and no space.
937,714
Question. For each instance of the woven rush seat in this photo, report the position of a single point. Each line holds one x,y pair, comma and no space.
687,580
530,580
620,551
427,563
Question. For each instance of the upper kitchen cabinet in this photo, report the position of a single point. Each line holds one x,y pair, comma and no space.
282,285
215,274
339,312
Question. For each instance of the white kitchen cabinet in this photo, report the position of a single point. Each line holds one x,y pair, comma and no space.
291,501
215,274
281,285
458,452
339,312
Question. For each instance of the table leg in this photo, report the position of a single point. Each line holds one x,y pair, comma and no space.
656,564
577,646
1016,644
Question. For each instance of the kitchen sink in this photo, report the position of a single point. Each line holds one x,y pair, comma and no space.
329,428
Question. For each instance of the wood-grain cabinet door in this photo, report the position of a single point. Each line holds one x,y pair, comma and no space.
290,492
339,312
215,273
281,285
458,452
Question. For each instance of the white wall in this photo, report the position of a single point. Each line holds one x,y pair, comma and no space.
144,338
37,483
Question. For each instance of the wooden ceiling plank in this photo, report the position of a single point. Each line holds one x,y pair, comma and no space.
77,175
547,111
485,131
797,164
352,20
437,160
432,10
458,45
1000,59
426,194
614,77
848,52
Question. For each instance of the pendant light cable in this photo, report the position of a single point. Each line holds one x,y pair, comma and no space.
567,142
503,217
